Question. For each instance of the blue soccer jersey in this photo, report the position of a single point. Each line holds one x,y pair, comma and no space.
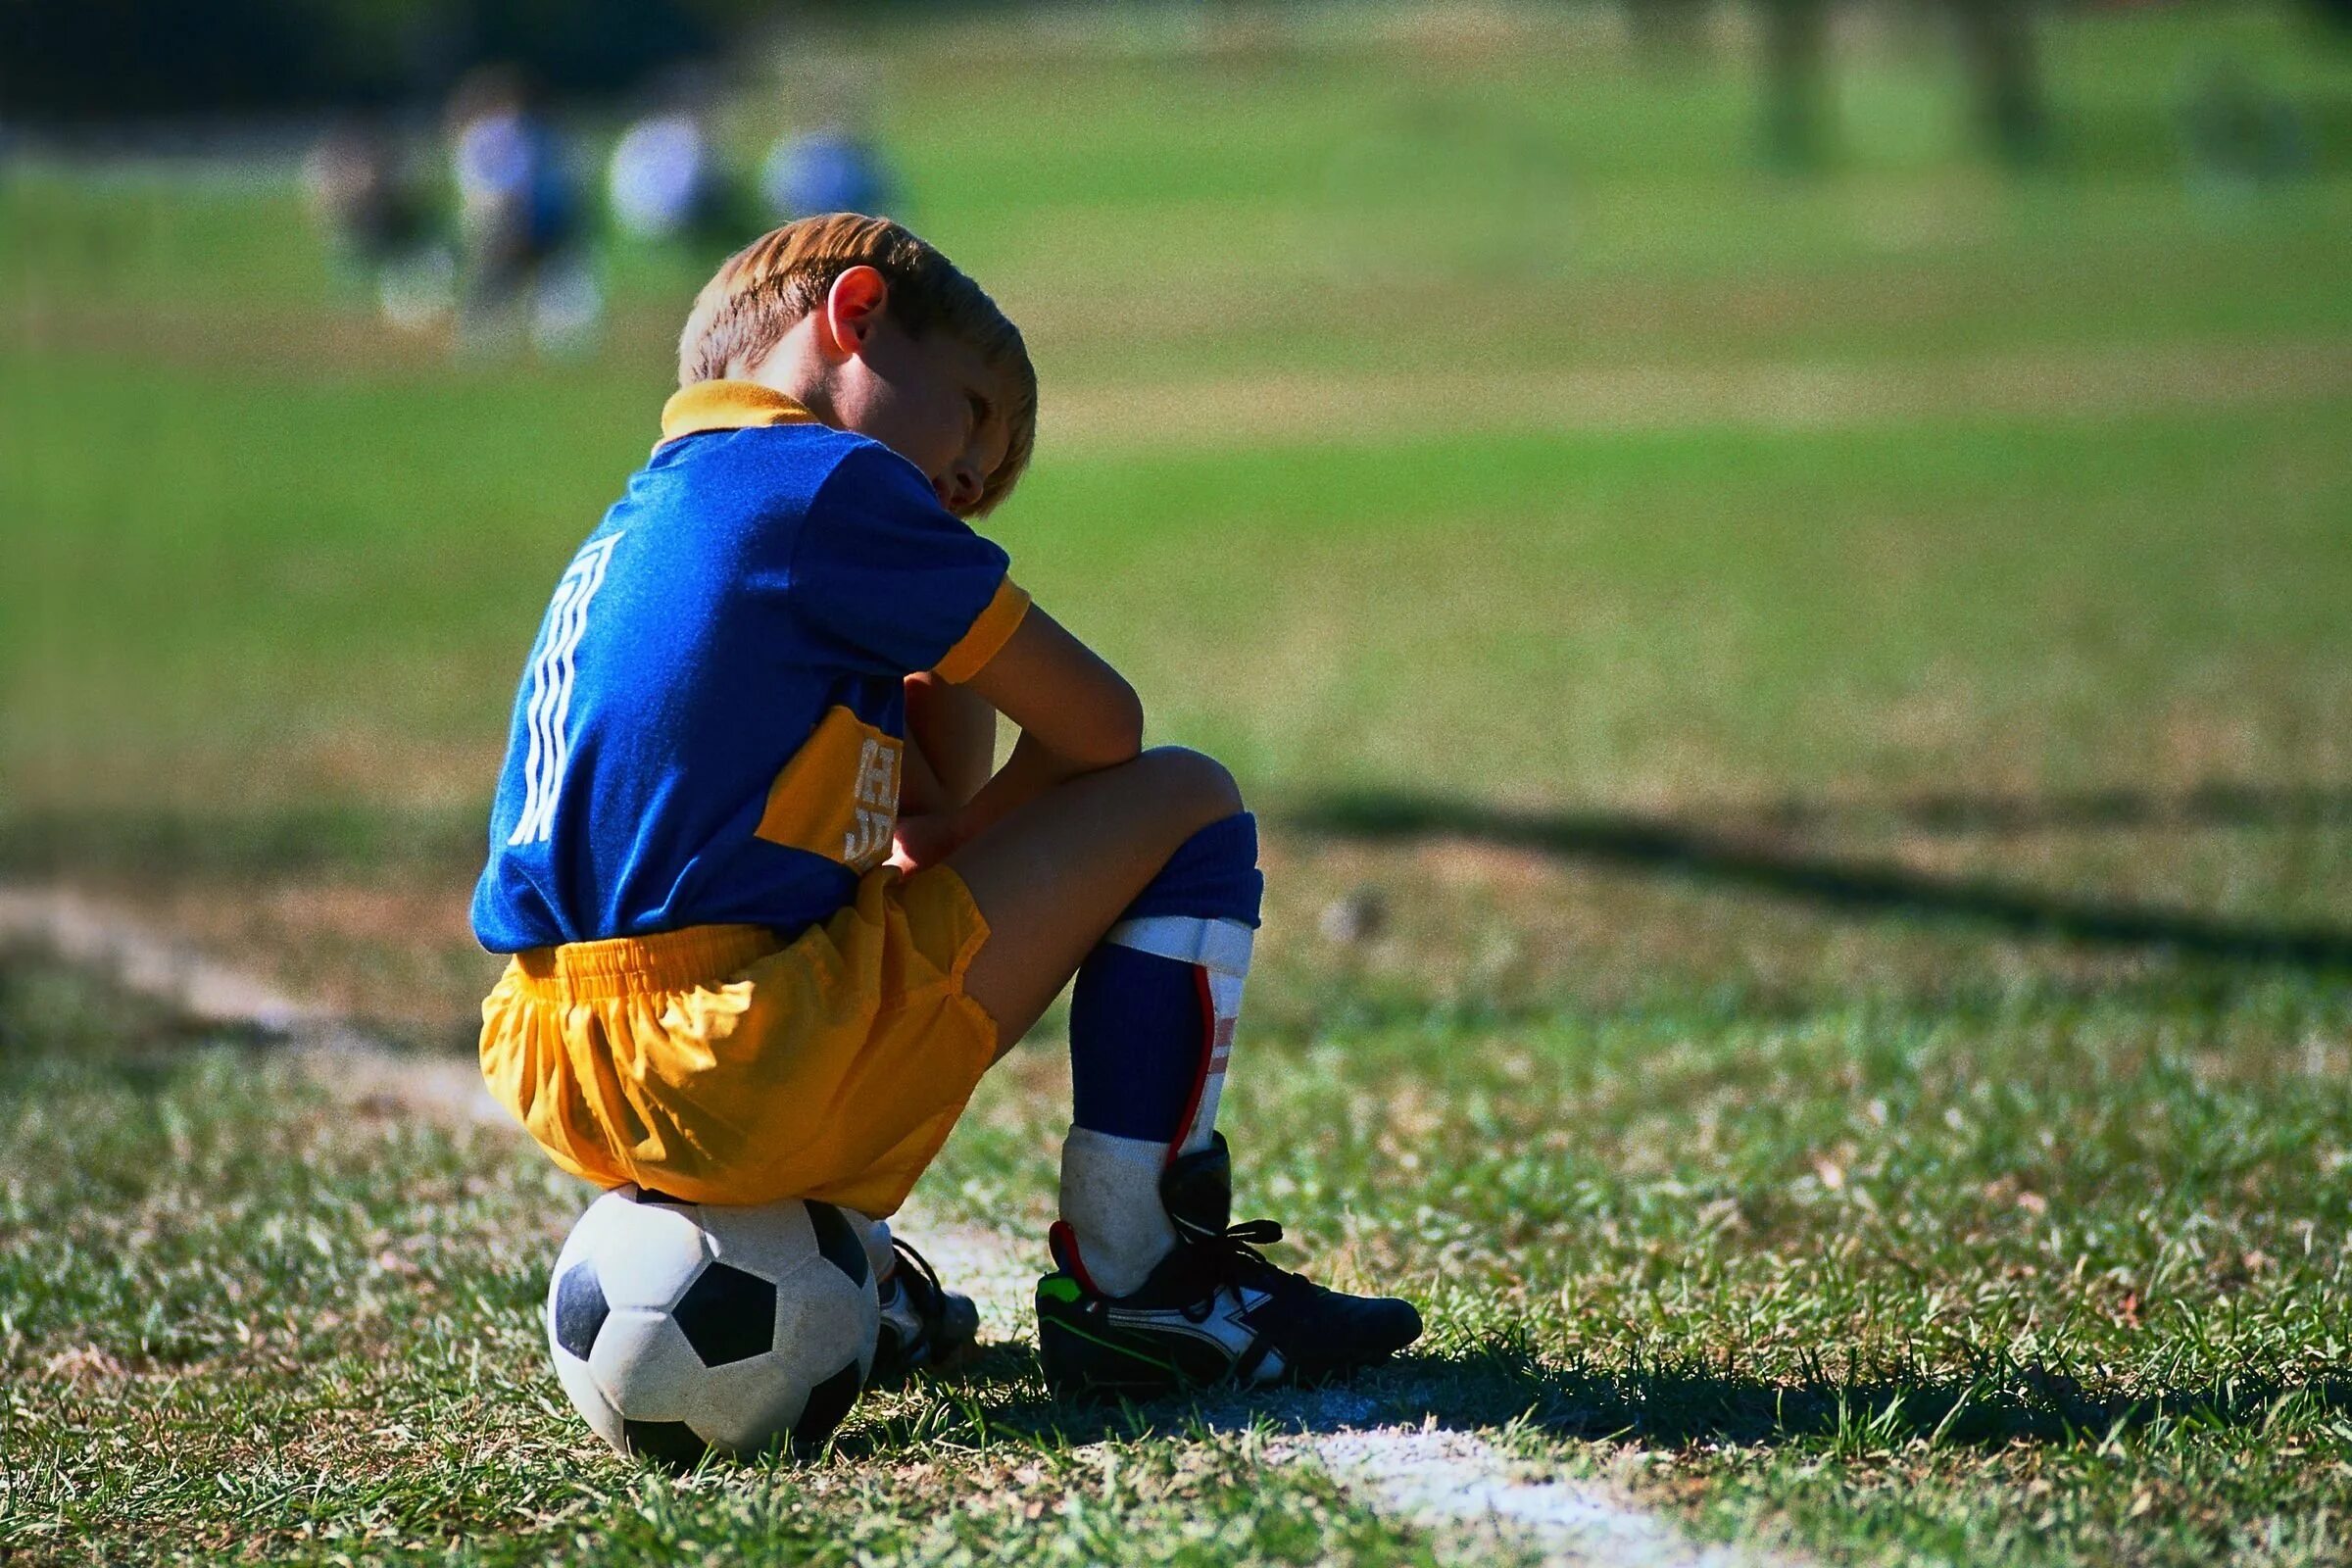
710,727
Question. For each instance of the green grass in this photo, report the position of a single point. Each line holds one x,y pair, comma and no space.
239,1320
2050,1277
1703,613
289,501
1848,1031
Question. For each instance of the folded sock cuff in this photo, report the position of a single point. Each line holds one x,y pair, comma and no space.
1212,875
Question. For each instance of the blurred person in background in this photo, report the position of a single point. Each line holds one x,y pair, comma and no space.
666,185
382,235
527,264
831,169
1998,48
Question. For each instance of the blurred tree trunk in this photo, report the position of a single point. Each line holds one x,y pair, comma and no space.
1794,34
1997,44
1996,47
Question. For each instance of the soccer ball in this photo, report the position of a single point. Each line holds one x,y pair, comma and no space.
679,1329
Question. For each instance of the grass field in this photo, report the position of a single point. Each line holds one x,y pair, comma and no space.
1830,699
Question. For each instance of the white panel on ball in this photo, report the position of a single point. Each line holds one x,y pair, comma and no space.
645,1253
823,1321
608,1215
645,1367
745,1405
769,1240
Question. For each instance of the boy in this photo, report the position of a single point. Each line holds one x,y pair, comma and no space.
770,915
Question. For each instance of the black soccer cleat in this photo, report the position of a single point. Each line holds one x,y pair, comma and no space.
926,1326
1214,1312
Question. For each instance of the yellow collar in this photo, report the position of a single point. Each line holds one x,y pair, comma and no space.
728,406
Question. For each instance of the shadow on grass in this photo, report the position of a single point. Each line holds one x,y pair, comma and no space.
1678,850
1665,1406
2208,806
332,837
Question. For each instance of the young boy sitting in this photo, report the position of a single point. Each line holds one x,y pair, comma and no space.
771,918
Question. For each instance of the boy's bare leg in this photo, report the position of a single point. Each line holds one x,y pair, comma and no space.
1053,876
1143,880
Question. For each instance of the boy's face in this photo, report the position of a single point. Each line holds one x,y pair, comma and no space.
933,399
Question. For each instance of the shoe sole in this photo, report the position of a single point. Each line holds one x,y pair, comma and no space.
1165,1377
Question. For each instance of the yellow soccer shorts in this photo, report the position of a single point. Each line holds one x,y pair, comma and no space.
722,1065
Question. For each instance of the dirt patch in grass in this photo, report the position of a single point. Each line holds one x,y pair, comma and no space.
2085,384
1255,407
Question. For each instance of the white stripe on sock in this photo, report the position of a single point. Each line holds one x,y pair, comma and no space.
1222,946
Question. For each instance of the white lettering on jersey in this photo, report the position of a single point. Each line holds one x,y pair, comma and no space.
876,792
550,691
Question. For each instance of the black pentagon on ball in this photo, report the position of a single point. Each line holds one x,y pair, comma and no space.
666,1442
727,1315
829,1402
580,1309
839,1242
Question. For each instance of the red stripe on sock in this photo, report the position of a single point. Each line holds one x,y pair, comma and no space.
1063,1242
1208,1055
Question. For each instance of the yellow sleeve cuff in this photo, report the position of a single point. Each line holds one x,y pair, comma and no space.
991,629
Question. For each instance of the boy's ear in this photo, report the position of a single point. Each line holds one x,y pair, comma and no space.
854,305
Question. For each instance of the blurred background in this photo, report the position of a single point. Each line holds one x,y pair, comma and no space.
1776,573
1911,430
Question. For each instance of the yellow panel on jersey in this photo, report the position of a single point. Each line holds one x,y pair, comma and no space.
839,795
722,1067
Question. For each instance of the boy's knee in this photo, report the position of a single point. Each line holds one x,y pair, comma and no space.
1198,784
1213,874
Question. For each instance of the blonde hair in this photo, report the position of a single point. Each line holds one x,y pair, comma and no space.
763,290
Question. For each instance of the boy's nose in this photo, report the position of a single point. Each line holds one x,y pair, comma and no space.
959,488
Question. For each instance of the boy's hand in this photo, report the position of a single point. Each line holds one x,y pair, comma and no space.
1076,714
925,840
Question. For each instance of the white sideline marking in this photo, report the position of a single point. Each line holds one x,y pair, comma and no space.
343,1059
1457,1482
1455,1485
1450,1483
94,936
1764,395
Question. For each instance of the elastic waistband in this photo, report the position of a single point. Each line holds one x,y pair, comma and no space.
672,960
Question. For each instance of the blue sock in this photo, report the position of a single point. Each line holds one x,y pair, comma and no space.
1151,1021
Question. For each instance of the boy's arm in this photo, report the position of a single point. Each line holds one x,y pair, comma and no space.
953,732
1076,714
